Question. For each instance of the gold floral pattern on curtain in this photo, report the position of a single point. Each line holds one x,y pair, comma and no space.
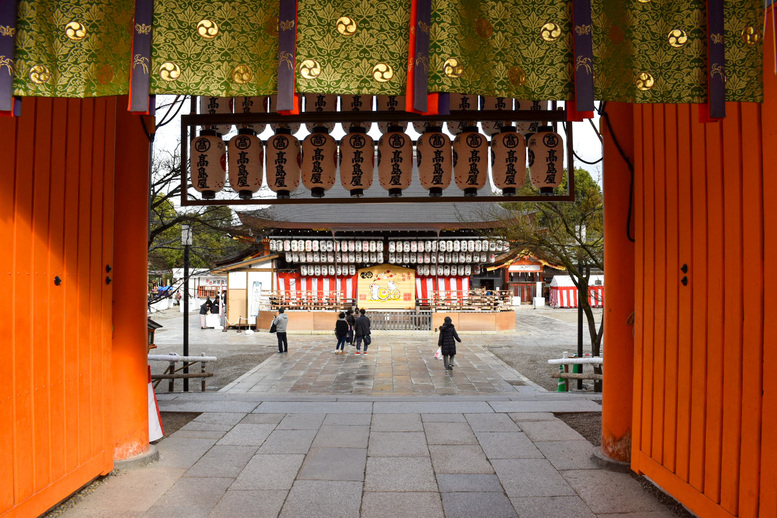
644,50
360,46
72,48
220,49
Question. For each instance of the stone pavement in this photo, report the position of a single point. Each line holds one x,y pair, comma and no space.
313,434
395,364
361,456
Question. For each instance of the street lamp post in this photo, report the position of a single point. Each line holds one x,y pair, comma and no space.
186,240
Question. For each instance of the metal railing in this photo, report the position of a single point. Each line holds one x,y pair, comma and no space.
409,320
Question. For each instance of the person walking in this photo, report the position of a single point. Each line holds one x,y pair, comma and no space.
341,332
281,321
447,342
204,311
362,331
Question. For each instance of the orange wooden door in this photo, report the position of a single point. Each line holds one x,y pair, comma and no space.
56,320
700,397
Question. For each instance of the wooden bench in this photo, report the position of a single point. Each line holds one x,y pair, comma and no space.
173,370
566,361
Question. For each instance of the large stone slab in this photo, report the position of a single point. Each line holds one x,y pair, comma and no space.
398,444
449,433
607,492
464,458
247,435
397,423
404,504
399,474
256,504
323,499
222,461
545,506
342,436
288,441
269,472
530,477
334,464
467,505
508,445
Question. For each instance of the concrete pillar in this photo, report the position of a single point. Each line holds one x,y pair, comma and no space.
618,286
129,389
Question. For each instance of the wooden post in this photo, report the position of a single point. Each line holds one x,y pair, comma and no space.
619,285
129,387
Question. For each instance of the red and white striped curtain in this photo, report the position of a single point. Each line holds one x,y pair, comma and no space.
566,296
446,287
294,285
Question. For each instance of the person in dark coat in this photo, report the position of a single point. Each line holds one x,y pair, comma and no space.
341,332
350,318
362,333
447,342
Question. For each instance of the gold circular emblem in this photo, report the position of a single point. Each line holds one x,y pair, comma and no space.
75,31
517,76
207,29
677,38
382,73
272,25
242,74
484,28
346,26
750,36
310,69
40,74
550,32
169,71
452,68
644,81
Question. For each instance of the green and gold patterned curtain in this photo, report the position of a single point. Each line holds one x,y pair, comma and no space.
644,50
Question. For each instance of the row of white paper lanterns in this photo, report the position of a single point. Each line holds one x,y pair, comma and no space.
314,163
424,270
424,245
317,103
394,258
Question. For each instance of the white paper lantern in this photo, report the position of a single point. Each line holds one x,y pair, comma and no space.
338,269
390,103
414,246
468,270
330,246
331,268
527,128
291,127
317,269
351,246
352,270
462,257
357,161
351,257
252,105
356,103
330,257
546,159
380,246
456,245
446,271
433,271
461,102
489,103
316,257
289,244
320,103
358,246
508,160
395,161
478,246
392,246
283,162
208,164
216,106
434,161
319,162
470,161
468,258
314,245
